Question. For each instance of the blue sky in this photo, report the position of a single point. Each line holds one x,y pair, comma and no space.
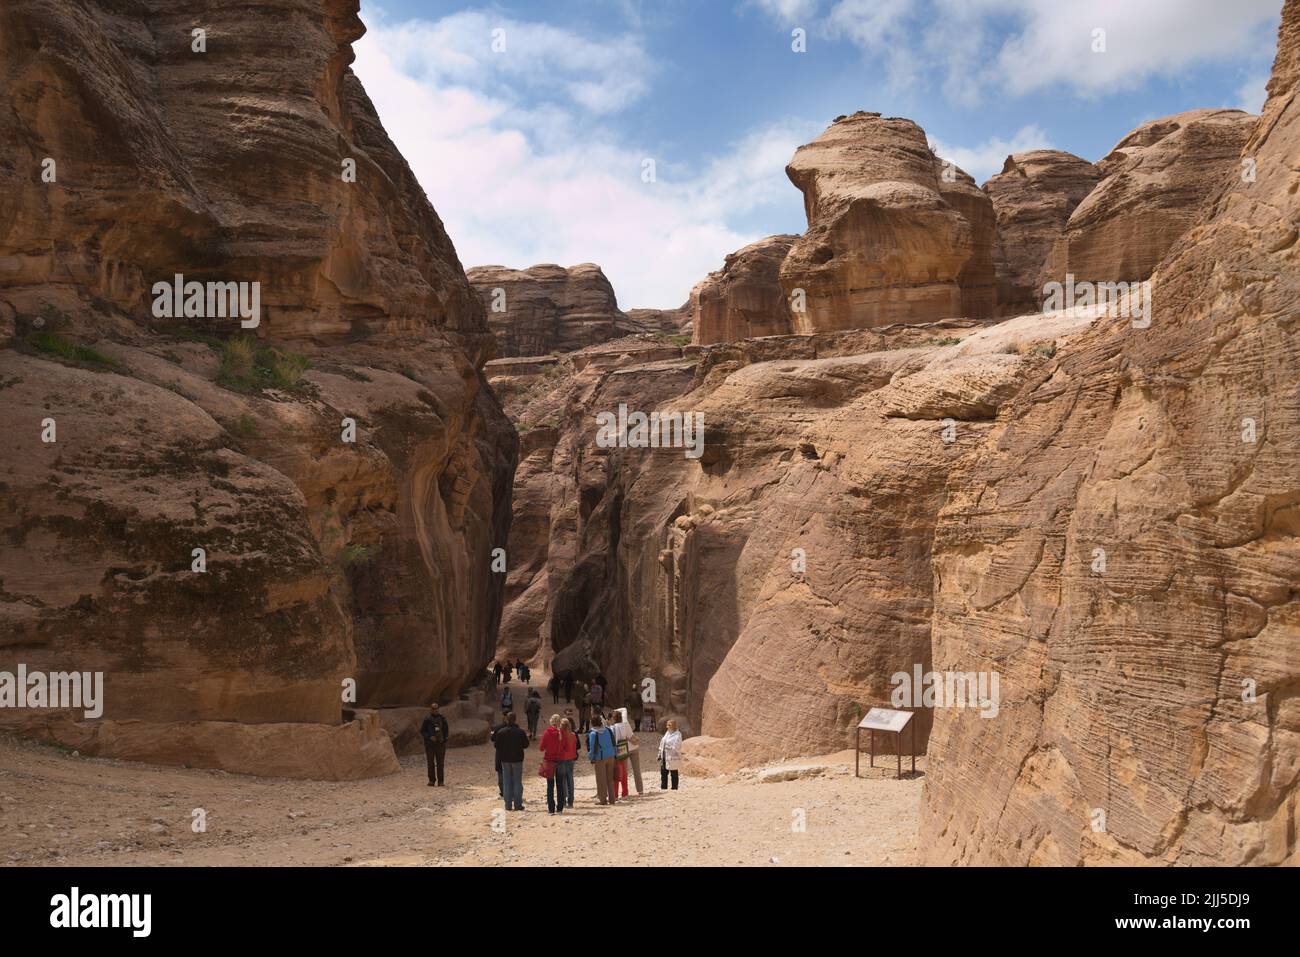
536,151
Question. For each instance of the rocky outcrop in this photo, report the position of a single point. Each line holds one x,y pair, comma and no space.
667,321
1123,550
744,298
775,584
1158,181
548,308
894,233
1033,198
236,525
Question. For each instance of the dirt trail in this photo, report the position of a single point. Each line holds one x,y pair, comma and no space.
56,808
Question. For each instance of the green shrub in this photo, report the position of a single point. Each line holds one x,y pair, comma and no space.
358,554
52,344
248,366
245,427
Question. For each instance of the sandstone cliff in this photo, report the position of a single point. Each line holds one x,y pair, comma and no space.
1157,183
547,308
894,233
744,298
1124,551
325,560
1033,198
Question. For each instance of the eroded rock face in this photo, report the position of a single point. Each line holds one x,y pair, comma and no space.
1124,551
744,298
553,402
548,308
668,321
1033,198
773,585
893,235
325,558
1158,181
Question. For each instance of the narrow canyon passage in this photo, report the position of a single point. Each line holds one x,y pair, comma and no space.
59,809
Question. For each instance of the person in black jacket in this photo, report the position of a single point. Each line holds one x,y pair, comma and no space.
533,709
511,742
435,732
568,687
492,739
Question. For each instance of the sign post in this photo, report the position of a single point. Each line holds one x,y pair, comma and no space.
888,721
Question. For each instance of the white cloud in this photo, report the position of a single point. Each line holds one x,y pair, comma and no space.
598,75
985,159
1143,40
1049,45
787,12
519,181
1252,94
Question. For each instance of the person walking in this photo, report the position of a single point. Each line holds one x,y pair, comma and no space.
670,755
552,748
533,709
568,688
434,731
496,673
596,696
568,755
553,686
522,670
511,743
507,701
492,738
580,699
600,752
633,760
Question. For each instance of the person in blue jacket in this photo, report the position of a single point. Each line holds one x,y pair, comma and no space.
600,752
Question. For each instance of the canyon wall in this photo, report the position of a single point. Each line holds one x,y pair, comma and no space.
341,463
1033,198
1124,551
1157,182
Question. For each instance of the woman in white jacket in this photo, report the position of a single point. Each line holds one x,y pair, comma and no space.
670,755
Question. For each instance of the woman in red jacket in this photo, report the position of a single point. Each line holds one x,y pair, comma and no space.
570,751
552,747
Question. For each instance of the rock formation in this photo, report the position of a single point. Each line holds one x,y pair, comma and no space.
894,233
1157,182
140,153
1124,551
744,298
547,308
1033,198
669,321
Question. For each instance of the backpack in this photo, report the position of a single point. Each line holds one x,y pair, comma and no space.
507,700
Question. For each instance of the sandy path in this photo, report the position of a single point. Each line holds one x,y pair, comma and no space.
57,808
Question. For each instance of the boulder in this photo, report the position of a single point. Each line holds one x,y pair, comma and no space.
895,234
